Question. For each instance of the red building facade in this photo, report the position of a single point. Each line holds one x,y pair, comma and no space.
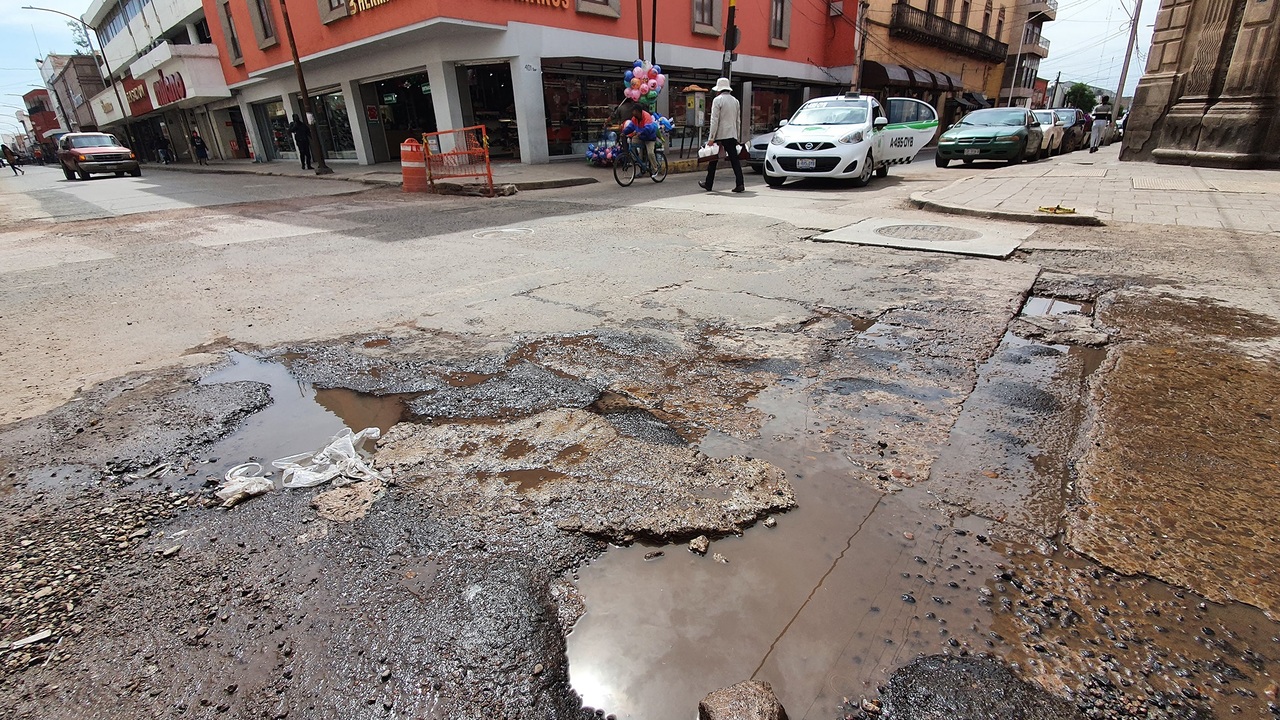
44,119
542,75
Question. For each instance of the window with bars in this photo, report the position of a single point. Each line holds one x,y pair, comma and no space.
703,12
705,16
266,23
986,18
229,29
999,25
964,12
779,22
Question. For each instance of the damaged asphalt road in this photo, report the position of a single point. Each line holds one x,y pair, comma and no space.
889,455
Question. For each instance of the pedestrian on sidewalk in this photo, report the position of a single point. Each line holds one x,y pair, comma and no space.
201,150
11,157
39,153
302,140
163,149
725,129
1101,121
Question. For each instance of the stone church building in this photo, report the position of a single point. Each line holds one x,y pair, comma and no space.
1211,92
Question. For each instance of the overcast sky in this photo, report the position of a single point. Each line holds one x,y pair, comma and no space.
1087,44
24,36
1088,40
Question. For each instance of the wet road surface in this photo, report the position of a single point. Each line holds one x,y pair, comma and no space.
933,416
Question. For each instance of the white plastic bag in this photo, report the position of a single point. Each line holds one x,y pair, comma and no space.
709,150
242,482
346,455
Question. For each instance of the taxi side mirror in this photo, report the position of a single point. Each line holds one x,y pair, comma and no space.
879,123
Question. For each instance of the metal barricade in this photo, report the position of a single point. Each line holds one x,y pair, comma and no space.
460,153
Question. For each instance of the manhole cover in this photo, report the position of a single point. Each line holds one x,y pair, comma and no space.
501,232
930,233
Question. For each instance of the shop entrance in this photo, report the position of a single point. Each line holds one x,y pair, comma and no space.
397,109
273,126
493,104
239,137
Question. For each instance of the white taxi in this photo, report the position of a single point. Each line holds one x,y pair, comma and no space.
848,136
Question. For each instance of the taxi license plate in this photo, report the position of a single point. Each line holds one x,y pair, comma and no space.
806,163
972,151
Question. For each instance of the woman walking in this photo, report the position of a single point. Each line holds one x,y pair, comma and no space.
201,150
11,157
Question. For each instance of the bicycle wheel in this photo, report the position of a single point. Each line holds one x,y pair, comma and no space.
624,169
659,167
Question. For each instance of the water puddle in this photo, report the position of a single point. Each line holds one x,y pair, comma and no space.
532,479
850,584
299,419
1044,306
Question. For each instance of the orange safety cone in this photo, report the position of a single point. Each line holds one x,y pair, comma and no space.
413,166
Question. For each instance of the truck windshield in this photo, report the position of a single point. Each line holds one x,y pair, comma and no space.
95,141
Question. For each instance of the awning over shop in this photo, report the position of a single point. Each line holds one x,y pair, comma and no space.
978,99
880,75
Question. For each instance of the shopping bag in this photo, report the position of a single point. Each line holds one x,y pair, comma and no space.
708,152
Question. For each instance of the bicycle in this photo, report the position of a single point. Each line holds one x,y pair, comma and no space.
628,162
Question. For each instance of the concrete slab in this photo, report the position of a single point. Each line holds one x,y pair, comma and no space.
960,237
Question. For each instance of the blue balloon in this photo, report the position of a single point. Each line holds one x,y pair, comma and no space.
638,64
628,75
657,69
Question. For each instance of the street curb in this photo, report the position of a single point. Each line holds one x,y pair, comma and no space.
919,200
529,185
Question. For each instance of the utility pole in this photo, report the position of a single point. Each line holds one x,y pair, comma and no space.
1053,99
859,45
1124,68
640,29
653,36
321,167
730,40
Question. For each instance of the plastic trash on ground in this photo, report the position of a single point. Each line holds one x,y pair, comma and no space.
347,455
241,483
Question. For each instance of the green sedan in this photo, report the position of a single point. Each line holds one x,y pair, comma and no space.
1009,134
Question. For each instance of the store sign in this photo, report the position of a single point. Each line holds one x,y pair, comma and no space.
169,88
546,3
359,6
137,96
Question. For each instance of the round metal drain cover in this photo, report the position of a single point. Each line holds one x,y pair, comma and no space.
501,232
928,233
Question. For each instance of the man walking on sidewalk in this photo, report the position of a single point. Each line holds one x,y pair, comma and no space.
725,129
302,140
1101,120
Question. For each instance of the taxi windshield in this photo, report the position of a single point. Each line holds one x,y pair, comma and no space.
831,112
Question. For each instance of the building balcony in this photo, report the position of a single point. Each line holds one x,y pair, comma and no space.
1032,44
926,28
1048,9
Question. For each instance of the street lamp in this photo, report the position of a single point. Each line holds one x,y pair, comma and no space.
1017,61
90,32
321,167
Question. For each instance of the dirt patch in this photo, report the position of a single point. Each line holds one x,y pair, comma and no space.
349,502
1179,481
622,490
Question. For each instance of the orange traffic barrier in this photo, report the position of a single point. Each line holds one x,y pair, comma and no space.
462,153
413,166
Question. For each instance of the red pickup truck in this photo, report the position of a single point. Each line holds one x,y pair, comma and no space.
82,154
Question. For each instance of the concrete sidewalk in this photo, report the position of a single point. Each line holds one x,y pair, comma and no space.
1103,191
524,177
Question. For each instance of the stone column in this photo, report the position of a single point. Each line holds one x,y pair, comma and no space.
445,94
745,106
254,132
531,109
359,123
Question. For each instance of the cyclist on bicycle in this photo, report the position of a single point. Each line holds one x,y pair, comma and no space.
644,128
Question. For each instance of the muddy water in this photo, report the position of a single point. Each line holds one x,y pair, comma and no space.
851,584
300,417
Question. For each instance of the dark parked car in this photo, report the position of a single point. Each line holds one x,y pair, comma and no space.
1075,134
1011,134
82,154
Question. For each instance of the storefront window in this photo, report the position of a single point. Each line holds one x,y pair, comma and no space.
333,125
579,108
273,123
769,107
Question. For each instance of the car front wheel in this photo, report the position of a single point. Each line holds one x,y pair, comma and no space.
940,161
1018,157
67,172
868,169
773,181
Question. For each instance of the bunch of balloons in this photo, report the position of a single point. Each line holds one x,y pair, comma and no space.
644,83
602,155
